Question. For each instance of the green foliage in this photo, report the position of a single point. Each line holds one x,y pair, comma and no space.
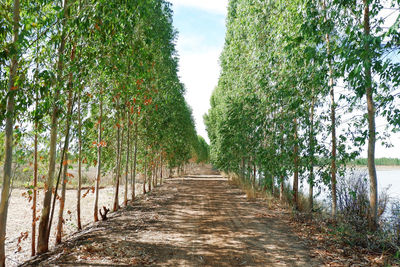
378,161
123,54
271,110
202,150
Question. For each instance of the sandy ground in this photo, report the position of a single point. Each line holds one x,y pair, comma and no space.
20,218
199,220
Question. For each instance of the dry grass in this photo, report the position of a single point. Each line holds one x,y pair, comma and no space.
252,193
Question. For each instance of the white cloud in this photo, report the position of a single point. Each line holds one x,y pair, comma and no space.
191,42
199,72
215,6
199,64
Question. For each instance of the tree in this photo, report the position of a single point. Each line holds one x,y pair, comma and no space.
12,87
44,226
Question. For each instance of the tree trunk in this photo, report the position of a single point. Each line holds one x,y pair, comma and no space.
62,198
78,194
98,169
120,141
161,170
333,124
296,169
128,148
65,162
134,165
371,128
145,176
66,148
44,226
281,189
9,135
150,176
155,173
311,152
35,178
254,177
35,164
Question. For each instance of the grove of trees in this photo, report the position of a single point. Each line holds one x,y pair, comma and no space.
89,83
301,86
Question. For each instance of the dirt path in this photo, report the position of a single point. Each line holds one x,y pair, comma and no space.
196,221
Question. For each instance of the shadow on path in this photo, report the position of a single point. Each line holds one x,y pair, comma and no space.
197,220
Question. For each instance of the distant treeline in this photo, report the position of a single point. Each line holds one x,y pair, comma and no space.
378,161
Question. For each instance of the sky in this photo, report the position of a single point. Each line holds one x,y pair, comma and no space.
201,36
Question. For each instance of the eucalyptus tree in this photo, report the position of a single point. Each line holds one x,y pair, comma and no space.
9,125
44,226
368,71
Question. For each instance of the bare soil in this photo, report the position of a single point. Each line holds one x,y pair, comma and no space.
20,218
198,220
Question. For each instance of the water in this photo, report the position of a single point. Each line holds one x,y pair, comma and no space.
388,177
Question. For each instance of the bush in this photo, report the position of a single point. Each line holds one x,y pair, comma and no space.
353,212
353,200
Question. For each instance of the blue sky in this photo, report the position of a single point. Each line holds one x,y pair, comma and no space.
201,27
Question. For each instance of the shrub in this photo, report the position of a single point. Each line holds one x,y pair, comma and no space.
353,211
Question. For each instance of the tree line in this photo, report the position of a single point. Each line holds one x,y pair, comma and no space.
378,161
89,83
301,86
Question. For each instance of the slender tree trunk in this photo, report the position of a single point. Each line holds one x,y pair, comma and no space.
145,176
35,167
296,168
155,174
66,148
333,124
44,226
118,171
150,176
161,169
312,147
254,177
62,198
98,169
116,189
58,181
134,165
281,188
35,178
78,195
128,148
371,127
9,135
